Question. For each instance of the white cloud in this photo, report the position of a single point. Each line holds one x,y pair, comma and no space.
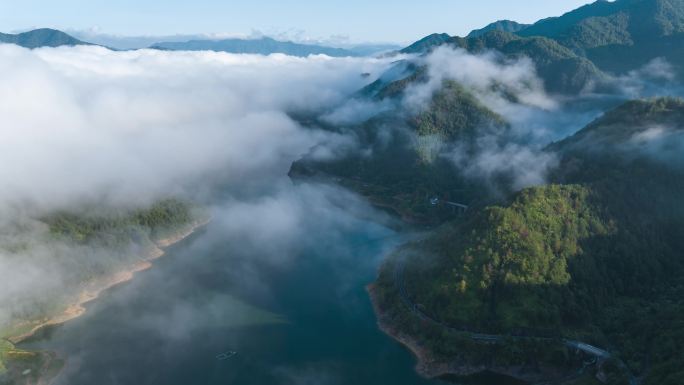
522,166
86,125
80,123
512,89
493,79
656,78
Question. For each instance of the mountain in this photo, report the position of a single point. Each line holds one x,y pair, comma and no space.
43,37
562,70
263,46
501,25
403,173
403,168
593,256
427,43
620,35
614,36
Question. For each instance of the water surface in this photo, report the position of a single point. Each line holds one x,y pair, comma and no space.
302,319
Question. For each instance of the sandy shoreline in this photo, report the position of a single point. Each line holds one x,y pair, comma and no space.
93,289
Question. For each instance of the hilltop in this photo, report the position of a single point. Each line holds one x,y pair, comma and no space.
43,37
501,25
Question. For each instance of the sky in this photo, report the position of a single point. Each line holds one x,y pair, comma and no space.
397,21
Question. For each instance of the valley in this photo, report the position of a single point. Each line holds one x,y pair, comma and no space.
505,205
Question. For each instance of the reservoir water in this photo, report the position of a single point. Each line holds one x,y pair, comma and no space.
293,314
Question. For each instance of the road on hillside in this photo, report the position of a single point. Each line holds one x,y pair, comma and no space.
591,350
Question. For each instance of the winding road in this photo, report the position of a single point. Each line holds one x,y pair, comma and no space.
591,350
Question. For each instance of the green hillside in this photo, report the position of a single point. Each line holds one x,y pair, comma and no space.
621,35
404,170
562,70
604,36
594,257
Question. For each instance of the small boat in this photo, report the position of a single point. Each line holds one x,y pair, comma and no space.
225,356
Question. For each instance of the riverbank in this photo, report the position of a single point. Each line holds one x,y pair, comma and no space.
425,361
92,290
427,364
466,358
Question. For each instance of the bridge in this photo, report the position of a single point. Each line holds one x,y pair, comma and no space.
456,206
589,349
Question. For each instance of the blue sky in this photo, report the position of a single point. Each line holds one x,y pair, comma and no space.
359,20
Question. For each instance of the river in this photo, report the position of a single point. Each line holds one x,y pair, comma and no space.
307,321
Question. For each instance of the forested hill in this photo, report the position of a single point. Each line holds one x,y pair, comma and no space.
619,35
562,70
43,37
404,169
616,36
597,256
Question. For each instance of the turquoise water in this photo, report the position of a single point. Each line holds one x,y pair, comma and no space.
302,317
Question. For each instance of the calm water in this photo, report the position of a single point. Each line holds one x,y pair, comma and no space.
300,318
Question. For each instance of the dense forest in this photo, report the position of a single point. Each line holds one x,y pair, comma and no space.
405,171
115,226
595,257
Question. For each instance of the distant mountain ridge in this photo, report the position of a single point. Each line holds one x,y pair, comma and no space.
262,46
130,42
43,37
47,37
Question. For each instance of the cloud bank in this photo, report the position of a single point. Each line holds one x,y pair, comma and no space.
512,89
86,126
83,123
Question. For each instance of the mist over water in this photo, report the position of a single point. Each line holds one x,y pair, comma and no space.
86,127
295,310
278,275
